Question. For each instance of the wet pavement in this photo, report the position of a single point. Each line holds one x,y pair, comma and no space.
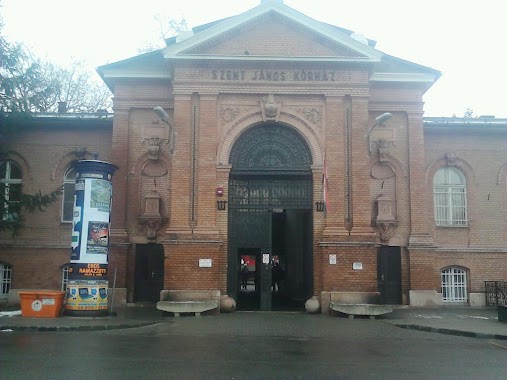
462,321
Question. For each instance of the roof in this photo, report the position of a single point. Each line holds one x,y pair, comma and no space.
482,122
196,47
78,119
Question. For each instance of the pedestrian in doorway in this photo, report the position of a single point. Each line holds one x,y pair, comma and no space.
245,274
277,275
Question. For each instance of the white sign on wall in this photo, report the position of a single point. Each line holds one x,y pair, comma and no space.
332,259
205,263
357,266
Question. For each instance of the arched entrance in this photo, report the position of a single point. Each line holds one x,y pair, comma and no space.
270,218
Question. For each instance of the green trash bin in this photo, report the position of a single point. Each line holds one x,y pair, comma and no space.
502,313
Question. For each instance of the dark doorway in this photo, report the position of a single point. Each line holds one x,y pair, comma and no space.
389,274
280,276
149,272
270,217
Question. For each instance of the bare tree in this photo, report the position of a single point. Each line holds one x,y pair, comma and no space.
167,27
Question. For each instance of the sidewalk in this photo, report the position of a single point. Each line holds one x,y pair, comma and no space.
462,321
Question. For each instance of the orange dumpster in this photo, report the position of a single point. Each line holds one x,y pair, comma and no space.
41,303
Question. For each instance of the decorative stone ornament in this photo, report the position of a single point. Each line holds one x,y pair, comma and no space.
151,219
383,149
270,108
385,221
450,158
154,144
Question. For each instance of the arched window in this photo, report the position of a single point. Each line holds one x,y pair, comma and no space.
454,285
10,189
5,280
450,197
69,185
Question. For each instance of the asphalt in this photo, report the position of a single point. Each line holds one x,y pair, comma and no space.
462,321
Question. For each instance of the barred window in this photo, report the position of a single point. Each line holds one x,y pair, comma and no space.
450,197
10,189
69,185
5,280
65,277
454,285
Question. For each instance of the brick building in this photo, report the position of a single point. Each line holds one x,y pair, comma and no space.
282,139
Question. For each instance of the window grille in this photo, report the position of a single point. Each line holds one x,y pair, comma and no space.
454,285
69,186
5,280
65,277
10,188
449,188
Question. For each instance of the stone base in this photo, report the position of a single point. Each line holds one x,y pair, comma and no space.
361,309
477,299
196,307
425,298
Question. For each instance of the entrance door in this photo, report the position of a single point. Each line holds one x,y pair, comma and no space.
271,173
389,274
250,233
149,272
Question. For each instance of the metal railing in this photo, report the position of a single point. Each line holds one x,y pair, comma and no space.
496,292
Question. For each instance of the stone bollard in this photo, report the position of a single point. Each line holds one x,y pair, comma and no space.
312,305
227,304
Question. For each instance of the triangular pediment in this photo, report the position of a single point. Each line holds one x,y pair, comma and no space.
273,30
275,36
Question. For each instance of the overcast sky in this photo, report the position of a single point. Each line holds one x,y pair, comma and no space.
464,39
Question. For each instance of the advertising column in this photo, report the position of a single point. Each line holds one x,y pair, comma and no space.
88,277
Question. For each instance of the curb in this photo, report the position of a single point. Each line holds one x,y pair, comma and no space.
468,334
78,328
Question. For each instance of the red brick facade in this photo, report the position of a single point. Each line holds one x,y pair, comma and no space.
328,88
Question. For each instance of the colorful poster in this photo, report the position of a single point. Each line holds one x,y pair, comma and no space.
100,197
87,295
98,238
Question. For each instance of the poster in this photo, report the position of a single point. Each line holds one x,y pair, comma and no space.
98,238
87,295
100,198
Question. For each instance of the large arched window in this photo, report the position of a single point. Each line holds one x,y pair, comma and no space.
69,185
450,197
10,189
454,285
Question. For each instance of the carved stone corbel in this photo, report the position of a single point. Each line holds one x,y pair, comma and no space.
151,219
385,222
151,225
450,159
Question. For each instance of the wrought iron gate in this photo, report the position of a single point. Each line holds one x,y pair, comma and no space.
496,292
271,169
251,203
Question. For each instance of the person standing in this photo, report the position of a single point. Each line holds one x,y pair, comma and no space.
277,275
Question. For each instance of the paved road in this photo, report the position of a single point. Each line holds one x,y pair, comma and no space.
252,346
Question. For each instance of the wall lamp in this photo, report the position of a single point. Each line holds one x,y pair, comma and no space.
165,118
221,205
319,206
379,120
